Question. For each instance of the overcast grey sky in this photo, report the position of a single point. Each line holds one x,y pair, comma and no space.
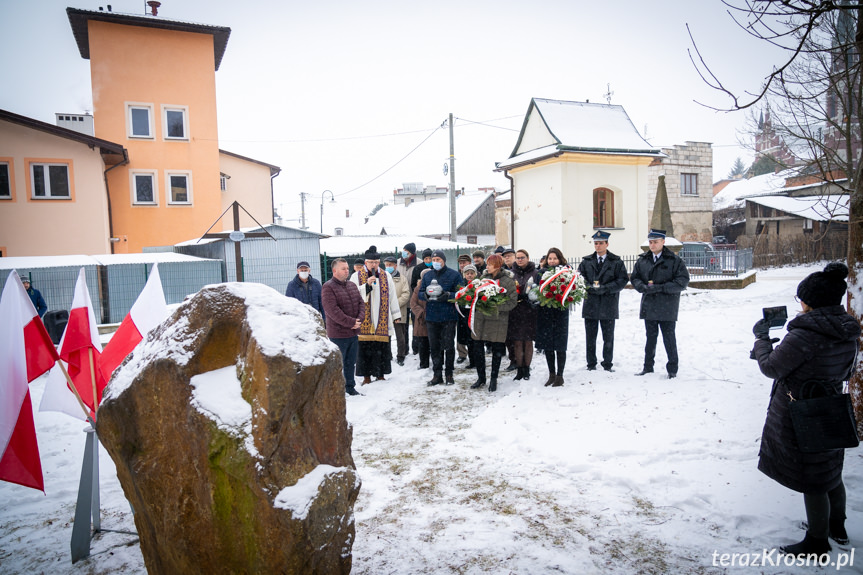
319,88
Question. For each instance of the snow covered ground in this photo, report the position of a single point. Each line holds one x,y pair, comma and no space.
611,473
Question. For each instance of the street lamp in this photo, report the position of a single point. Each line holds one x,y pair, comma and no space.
332,201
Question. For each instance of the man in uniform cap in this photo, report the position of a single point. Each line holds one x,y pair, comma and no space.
659,276
605,276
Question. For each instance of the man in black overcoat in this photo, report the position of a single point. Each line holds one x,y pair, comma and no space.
659,276
605,276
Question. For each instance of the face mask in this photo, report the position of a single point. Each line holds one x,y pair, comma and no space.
390,270
304,275
437,265
405,254
428,264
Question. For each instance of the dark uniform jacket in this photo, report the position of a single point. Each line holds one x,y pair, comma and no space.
660,301
602,302
450,281
821,345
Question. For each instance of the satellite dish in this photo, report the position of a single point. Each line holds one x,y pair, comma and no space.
237,236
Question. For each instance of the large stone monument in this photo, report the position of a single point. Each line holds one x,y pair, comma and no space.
227,427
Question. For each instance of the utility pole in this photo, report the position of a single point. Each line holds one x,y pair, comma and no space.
303,225
453,233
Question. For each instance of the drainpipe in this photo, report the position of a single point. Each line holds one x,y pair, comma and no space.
108,196
511,207
272,198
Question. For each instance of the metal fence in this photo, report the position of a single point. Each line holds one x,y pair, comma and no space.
114,288
721,263
452,255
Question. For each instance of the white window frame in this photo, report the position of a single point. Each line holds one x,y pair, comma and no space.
683,177
185,110
169,195
133,188
139,106
8,195
223,182
47,180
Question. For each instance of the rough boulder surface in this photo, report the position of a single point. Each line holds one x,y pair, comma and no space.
227,426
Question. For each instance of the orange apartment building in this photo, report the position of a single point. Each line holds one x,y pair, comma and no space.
152,173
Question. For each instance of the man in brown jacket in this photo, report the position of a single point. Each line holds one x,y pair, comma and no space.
345,311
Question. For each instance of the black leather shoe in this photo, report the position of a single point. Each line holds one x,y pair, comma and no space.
478,384
352,391
448,379
461,360
608,369
591,368
400,361
644,371
672,375
512,366
436,380
493,385
809,546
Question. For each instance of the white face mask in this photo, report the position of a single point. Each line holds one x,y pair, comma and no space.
304,275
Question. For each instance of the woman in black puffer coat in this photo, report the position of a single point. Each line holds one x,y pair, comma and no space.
821,345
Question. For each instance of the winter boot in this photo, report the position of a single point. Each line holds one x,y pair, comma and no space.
436,380
558,381
511,367
480,376
448,379
838,533
519,373
809,546
493,385
551,378
526,374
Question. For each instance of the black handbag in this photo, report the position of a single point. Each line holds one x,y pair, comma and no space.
823,419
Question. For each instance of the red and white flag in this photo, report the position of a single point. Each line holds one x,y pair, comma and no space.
26,352
148,311
80,338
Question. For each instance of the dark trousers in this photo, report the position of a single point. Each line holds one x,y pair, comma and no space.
498,350
401,340
591,328
348,346
652,328
422,347
442,339
822,509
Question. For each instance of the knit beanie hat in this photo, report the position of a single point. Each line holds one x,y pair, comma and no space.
372,253
824,288
469,268
410,247
427,253
439,254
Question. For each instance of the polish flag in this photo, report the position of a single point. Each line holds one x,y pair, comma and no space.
148,311
79,341
26,352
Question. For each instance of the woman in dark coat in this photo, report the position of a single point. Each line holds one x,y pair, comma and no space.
552,327
493,328
522,320
821,345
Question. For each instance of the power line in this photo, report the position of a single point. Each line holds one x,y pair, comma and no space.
490,125
394,165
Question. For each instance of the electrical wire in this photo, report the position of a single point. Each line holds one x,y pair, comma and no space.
491,126
432,133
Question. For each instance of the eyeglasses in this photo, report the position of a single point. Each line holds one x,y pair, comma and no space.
520,257
797,299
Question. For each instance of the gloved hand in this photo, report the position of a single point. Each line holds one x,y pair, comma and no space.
652,288
761,329
443,296
597,290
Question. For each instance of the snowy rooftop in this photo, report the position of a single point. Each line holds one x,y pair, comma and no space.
581,127
816,208
339,245
424,218
35,262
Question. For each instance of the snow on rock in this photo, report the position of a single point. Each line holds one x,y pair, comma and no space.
298,498
218,394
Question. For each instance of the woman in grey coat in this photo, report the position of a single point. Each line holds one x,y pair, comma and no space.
492,328
821,345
